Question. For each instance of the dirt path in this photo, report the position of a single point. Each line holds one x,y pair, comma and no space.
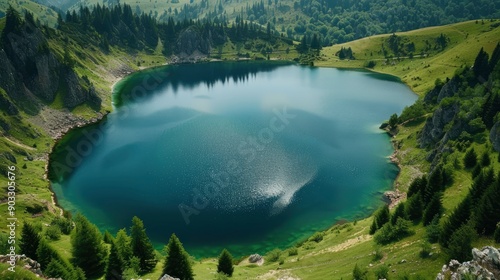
19,144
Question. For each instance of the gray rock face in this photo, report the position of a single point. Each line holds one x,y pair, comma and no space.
433,130
192,40
31,73
449,89
485,265
495,136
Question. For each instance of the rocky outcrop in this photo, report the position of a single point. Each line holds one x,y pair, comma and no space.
31,74
484,265
191,45
449,89
434,128
24,262
495,136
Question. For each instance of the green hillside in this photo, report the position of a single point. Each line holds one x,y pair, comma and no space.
44,14
427,64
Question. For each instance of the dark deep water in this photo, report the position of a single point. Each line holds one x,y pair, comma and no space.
247,156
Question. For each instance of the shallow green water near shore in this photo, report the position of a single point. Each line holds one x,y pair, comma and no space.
246,156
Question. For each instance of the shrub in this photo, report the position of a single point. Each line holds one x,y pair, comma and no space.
293,252
358,273
433,230
426,250
53,232
460,244
274,255
390,233
382,272
377,255
317,237
370,64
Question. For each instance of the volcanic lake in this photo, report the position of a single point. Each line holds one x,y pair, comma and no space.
248,156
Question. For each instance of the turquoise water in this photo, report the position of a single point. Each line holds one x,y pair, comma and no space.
244,156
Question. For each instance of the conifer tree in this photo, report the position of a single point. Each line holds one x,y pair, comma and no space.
481,66
399,212
470,159
142,246
460,244
30,238
434,208
225,264
45,254
122,242
414,207
487,212
177,262
88,250
459,217
115,266
12,23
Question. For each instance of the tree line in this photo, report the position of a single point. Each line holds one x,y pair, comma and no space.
126,255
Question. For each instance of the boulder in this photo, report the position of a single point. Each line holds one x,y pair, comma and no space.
255,258
168,277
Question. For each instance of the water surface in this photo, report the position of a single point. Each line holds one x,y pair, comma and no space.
246,156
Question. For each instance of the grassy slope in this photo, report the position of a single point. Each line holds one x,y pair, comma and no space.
45,14
420,73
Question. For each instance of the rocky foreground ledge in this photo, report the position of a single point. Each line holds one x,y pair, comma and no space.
485,265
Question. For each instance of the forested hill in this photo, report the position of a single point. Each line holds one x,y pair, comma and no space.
335,21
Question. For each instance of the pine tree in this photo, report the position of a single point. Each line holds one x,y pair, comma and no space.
414,207
88,250
481,66
495,58
487,212
418,185
459,217
434,185
122,242
225,264
383,216
115,266
13,22
460,244
485,160
30,238
315,43
435,207
177,262
470,158
142,246
45,254
399,212
107,237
